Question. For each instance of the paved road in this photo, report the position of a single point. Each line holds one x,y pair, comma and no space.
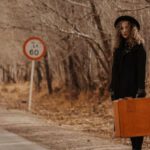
10,141
29,132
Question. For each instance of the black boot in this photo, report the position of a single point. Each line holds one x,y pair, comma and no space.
137,143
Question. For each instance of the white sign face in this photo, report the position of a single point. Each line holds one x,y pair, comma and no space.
34,48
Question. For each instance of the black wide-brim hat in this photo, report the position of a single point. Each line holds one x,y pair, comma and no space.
132,20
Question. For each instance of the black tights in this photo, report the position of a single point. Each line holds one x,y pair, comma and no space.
137,142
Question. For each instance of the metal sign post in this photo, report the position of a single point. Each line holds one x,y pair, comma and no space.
31,85
34,49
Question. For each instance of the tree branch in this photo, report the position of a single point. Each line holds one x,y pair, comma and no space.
138,9
78,4
75,32
98,57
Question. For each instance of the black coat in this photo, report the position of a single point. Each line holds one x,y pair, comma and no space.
128,71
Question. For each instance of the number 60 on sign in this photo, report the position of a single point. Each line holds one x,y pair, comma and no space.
34,48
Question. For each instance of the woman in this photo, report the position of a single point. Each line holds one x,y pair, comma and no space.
129,60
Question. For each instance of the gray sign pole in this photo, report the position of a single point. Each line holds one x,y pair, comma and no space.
31,85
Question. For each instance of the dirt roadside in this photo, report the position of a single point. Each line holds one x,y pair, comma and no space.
52,136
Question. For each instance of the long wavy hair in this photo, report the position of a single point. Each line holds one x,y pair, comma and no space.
134,37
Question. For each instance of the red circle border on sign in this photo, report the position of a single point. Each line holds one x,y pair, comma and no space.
34,38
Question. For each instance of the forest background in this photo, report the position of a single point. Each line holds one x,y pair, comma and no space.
71,81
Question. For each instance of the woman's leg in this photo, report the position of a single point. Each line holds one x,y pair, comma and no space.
137,142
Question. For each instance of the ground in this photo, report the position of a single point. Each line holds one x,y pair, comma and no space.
89,112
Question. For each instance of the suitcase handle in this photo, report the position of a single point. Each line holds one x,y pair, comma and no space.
126,98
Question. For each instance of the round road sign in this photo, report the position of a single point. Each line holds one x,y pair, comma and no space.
34,48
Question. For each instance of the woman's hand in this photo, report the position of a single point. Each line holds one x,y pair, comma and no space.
141,93
112,95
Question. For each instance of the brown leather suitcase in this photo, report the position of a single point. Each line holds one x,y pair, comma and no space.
132,117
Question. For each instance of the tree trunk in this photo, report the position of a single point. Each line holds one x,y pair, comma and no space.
38,77
48,75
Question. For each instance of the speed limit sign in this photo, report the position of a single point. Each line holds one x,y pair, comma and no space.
34,48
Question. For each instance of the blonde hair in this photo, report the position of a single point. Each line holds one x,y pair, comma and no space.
134,38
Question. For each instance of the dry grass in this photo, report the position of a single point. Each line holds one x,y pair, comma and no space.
88,112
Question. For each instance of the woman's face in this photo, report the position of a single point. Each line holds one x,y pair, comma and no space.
125,29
